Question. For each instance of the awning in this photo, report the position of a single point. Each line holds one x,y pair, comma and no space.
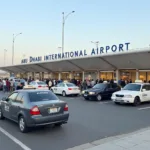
131,60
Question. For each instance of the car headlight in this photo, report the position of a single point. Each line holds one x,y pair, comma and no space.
83,92
91,93
128,96
113,95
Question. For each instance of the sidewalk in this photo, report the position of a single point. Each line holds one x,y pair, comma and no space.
139,140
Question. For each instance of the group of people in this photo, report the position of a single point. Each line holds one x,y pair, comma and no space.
11,85
7,85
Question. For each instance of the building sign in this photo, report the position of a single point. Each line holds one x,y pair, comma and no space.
80,53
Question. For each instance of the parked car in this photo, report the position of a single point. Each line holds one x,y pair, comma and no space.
101,91
31,108
66,89
37,85
133,93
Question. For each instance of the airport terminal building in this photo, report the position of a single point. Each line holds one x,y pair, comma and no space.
109,62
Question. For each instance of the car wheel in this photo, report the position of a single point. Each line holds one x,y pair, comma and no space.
22,125
76,95
1,114
99,97
63,93
137,101
58,124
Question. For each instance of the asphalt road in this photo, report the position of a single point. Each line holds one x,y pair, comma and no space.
89,121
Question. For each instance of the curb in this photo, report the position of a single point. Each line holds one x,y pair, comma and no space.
93,144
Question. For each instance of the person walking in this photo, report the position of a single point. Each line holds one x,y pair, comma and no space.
11,85
50,84
4,85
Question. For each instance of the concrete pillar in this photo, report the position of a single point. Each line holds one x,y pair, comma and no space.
33,75
50,75
117,75
83,76
98,75
137,74
71,75
42,75
59,76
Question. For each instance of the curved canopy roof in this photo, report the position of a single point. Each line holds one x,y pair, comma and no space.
139,59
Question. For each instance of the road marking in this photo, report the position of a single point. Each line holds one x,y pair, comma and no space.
143,108
14,139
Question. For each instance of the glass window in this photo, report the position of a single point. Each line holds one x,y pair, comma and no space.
132,87
62,85
42,96
41,83
19,98
70,85
146,87
12,97
58,85
114,85
100,86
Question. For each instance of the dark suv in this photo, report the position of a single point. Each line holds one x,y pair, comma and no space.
101,91
30,108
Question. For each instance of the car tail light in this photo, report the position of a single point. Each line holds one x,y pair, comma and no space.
66,108
69,88
39,86
35,111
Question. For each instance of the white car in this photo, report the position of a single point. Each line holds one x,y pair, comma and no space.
37,85
133,93
66,89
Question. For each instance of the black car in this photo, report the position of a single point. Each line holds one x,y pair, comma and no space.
30,108
101,91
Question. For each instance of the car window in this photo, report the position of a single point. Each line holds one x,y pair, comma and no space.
41,83
114,85
132,87
70,85
59,85
19,98
100,86
12,97
42,96
146,87
62,85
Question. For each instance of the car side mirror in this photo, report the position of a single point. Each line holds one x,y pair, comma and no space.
4,99
143,90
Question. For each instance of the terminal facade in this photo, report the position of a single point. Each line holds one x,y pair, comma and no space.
124,64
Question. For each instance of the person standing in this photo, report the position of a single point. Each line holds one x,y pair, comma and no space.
4,85
7,85
11,85
50,84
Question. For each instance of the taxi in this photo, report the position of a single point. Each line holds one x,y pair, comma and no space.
37,85
134,93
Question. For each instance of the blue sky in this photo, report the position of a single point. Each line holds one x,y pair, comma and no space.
110,22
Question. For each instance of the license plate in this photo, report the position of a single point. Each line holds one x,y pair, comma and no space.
119,98
53,110
85,94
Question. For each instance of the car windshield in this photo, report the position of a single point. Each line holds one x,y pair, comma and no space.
70,85
132,87
42,96
41,83
100,86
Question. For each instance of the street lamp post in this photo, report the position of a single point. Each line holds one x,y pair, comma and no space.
13,47
63,26
5,50
96,43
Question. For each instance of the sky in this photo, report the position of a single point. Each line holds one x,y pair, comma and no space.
40,22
